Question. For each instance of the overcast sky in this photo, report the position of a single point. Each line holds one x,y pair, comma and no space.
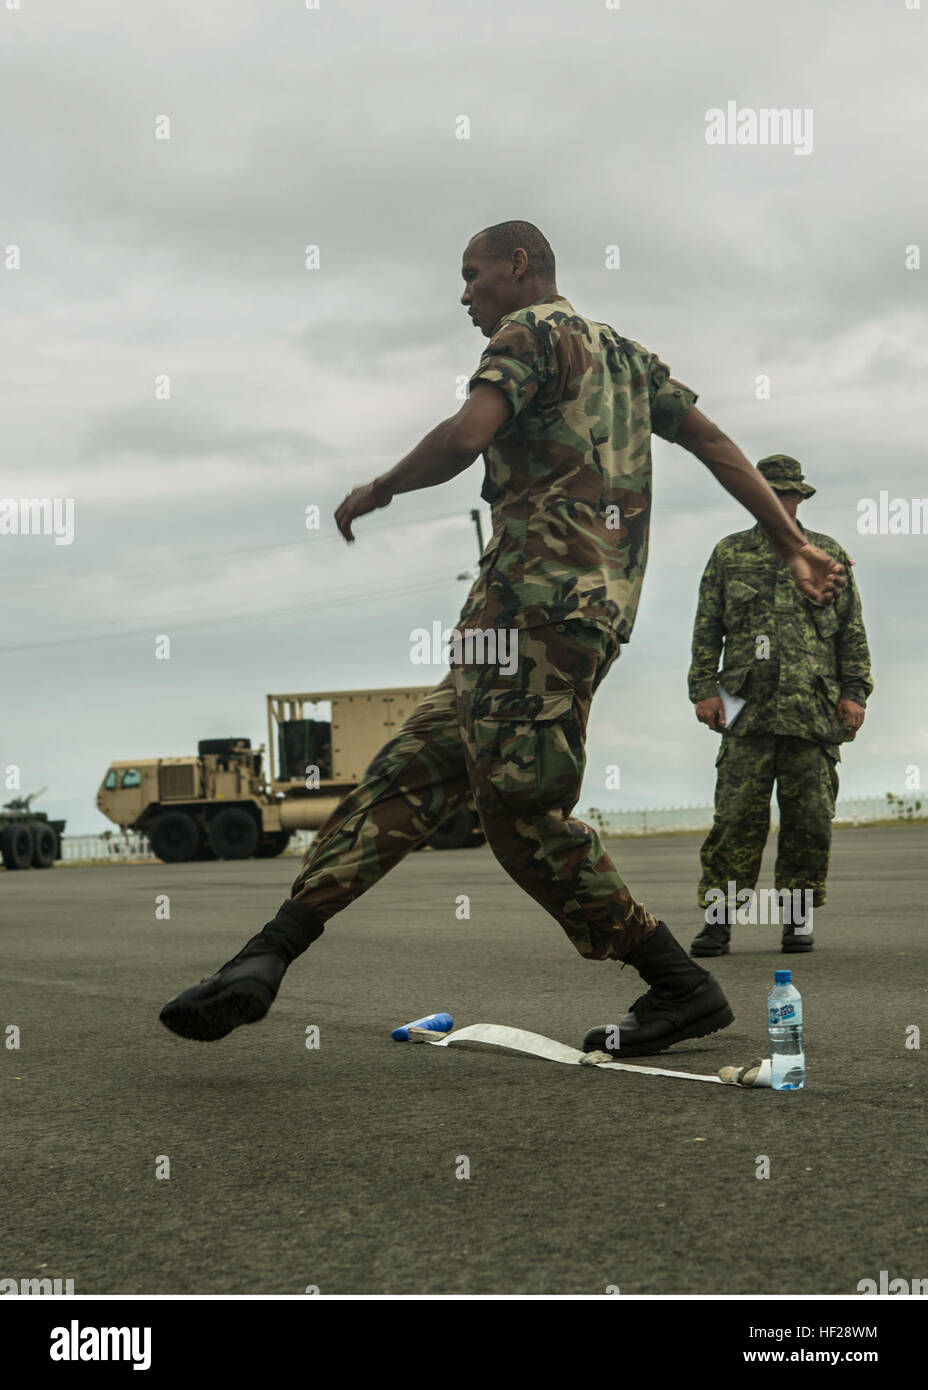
141,257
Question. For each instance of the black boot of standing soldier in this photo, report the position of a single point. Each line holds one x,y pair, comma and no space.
715,936
244,988
797,924
684,1001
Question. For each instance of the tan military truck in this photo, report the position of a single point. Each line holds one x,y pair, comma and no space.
222,804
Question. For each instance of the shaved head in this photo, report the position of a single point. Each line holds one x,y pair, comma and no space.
506,267
504,238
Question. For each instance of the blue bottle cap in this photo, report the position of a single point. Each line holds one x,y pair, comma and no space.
782,977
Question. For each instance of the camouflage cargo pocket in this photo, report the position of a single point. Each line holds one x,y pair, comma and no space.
738,599
735,679
826,621
532,766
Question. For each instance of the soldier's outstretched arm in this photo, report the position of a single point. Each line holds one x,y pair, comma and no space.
445,452
816,574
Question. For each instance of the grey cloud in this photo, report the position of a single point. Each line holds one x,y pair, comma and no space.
160,430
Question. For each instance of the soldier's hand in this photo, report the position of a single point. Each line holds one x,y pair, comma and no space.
851,714
712,712
359,502
816,574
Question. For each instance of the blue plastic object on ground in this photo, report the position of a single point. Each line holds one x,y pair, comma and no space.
436,1023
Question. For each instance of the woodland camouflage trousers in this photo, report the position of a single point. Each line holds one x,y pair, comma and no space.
516,742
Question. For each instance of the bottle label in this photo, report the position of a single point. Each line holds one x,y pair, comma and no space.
785,1013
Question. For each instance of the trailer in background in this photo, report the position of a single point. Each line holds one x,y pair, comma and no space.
28,839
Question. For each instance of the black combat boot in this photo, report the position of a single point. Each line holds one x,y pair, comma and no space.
714,938
246,986
797,933
684,1001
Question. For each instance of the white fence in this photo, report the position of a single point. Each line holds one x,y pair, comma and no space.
852,810
99,849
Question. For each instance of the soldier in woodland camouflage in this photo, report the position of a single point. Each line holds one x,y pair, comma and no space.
804,673
563,409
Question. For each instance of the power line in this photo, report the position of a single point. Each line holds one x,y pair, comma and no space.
244,610
219,557
436,583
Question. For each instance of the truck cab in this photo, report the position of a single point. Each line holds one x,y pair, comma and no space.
126,788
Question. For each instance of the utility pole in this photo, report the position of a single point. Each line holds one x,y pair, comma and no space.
475,518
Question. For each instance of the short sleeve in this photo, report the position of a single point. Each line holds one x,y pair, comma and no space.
515,362
670,400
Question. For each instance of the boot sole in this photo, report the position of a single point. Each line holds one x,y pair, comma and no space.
213,1018
797,950
709,951
699,1028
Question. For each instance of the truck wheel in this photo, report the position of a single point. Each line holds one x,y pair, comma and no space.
44,846
273,844
456,831
16,846
233,834
174,836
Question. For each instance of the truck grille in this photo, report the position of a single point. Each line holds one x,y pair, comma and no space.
176,782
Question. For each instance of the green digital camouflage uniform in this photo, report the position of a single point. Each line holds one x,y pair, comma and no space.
568,478
791,661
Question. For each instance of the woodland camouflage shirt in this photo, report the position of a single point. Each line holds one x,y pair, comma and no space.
568,477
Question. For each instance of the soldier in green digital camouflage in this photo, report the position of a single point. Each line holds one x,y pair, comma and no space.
803,672
563,409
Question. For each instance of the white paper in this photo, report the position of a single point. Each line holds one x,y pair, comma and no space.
732,705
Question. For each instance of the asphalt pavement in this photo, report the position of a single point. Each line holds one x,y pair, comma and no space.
136,1162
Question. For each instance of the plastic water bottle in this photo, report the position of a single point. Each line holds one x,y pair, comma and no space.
784,1017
